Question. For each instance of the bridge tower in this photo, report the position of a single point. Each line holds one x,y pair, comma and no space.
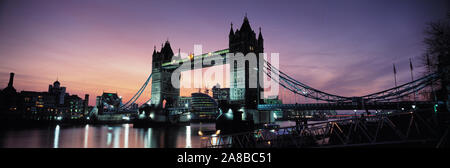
244,40
164,95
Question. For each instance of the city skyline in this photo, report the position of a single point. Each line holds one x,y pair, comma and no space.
92,46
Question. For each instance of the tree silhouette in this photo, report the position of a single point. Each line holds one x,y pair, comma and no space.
437,55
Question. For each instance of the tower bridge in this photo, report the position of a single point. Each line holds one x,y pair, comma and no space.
244,40
165,63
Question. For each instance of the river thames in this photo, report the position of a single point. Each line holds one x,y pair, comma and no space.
108,136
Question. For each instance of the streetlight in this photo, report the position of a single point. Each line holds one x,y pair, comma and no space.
435,108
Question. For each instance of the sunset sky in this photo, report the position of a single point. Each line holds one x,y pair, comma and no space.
343,47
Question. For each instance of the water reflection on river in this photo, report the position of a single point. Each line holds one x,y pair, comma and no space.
106,136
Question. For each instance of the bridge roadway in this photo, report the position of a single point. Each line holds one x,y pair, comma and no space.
349,106
199,61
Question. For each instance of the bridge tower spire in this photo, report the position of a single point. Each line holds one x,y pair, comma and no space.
231,35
